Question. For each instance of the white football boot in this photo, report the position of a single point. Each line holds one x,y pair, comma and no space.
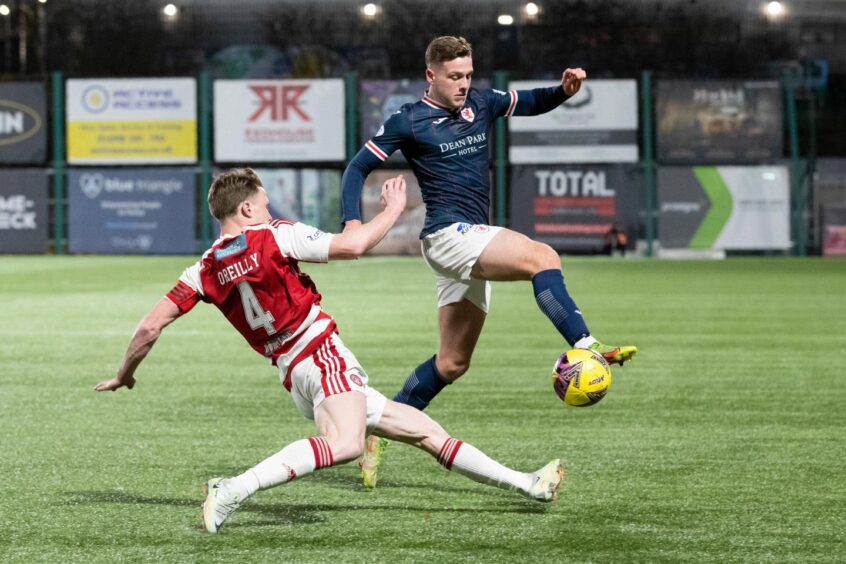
547,481
218,505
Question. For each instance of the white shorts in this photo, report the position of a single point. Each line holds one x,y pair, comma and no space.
451,253
329,370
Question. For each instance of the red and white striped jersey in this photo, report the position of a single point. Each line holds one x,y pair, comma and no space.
255,280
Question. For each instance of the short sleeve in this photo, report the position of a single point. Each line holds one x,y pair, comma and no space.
390,136
188,289
301,241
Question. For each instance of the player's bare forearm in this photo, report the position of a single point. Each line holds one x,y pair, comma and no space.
143,339
358,238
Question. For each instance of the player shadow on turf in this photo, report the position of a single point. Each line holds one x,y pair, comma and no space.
340,480
292,513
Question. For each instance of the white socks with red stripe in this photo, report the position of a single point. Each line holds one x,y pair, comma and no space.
476,465
297,459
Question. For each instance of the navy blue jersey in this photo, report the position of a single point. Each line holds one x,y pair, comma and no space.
448,152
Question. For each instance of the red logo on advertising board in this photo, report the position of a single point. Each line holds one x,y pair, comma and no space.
280,100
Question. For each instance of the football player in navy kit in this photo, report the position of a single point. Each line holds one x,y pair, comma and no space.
444,137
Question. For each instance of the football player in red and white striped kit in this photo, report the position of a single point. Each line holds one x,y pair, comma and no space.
252,275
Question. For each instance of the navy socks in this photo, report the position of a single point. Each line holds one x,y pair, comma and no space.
553,299
421,386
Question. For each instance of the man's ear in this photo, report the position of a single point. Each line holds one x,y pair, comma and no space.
246,208
430,75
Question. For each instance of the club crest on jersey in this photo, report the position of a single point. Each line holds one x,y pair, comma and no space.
356,380
467,114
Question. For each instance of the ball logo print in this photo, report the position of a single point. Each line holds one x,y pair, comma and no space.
581,377
95,99
91,184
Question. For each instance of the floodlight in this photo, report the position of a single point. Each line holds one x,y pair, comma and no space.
170,10
4,10
505,19
370,10
531,9
775,9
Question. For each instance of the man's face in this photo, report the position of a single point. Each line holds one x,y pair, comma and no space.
449,81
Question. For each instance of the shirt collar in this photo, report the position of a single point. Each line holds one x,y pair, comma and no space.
429,101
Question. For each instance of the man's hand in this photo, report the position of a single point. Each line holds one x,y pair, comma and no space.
572,80
115,383
358,238
393,194
163,314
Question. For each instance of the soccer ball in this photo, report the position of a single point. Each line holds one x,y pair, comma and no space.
581,377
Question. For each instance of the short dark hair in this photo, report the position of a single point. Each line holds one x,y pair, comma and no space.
447,48
231,188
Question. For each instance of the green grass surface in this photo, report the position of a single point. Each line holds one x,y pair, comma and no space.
723,441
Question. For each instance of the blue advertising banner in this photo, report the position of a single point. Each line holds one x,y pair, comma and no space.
23,211
131,211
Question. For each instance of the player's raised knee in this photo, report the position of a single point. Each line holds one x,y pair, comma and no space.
546,257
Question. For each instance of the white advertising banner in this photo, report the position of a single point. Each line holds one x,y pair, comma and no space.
724,208
598,124
279,120
132,121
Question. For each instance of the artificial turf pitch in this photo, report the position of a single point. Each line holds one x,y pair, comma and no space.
723,441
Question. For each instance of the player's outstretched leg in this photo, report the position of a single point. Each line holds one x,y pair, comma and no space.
460,324
471,462
402,423
513,256
340,420
554,300
224,495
